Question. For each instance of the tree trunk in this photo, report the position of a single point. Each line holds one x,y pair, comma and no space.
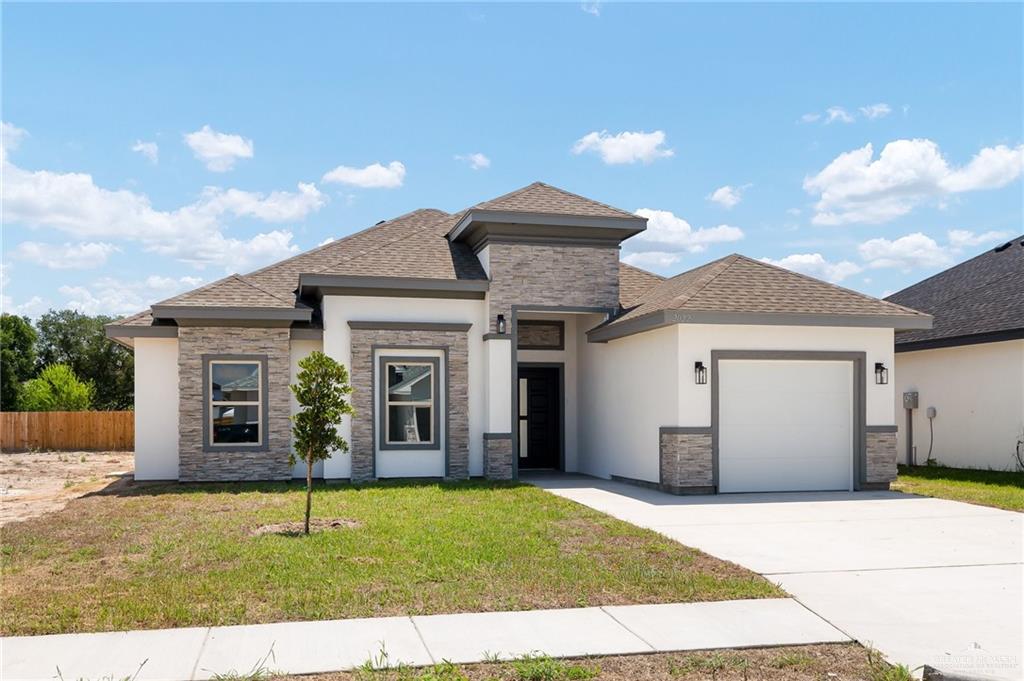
309,488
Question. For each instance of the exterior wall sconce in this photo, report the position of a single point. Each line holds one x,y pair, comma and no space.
881,374
700,373
501,324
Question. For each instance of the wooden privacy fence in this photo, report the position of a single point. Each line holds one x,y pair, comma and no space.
67,430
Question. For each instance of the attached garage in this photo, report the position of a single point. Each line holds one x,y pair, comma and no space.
785,424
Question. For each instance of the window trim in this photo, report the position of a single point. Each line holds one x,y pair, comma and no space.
382,402
560,323
207,398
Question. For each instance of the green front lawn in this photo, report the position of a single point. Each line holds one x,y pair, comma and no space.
1000,489
182,555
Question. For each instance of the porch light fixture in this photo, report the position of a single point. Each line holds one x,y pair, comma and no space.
881,374
501,324
700,373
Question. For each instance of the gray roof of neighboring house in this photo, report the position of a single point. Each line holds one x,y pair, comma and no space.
980,300
738,289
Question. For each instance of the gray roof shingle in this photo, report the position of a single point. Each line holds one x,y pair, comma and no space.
984,295
543,198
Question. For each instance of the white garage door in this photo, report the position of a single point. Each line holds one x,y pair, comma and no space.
785,425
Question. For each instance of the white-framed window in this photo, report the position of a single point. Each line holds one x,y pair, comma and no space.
409,403
235,402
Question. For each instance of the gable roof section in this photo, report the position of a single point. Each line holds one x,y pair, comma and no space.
980,300
543,198
739,290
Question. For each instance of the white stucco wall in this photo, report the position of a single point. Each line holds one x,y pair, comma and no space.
978,395
627,389
156,408
339,310
299,350
630,387
696,341
569,359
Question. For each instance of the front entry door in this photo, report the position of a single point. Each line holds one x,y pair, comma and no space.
540,417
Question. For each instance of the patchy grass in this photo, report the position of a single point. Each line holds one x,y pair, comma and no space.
1001,489
838,662
151,556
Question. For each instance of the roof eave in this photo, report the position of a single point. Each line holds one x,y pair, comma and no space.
660,318
354,285
626,226
232,313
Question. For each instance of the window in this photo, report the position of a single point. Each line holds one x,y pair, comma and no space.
537,334
409,403
235,402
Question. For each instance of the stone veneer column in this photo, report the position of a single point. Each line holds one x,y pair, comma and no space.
364,396
527,274
498,457
233,464
881,457
685,460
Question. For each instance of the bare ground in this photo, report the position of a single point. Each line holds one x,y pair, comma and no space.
35,483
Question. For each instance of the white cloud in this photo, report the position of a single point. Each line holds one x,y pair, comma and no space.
373,176
815,265
675,233
812,117
68,256
10,138
116,297
476,161
277,206
625,147
593,8
856,187
727,196
72,203
873,111
962,238
837,113
652,259
795,212
326,241
218,150
905,253
148,149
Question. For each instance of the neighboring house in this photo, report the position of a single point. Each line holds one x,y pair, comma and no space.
969,366
508,336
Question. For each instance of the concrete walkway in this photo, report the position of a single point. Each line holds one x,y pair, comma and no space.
310,647
925,581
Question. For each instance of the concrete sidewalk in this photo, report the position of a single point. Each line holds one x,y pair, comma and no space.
310,647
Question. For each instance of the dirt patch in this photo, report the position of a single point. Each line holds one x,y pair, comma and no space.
292,529
834,662
35,483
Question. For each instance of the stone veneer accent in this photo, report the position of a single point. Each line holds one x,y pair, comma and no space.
527,274
685,460
881,458
194,464
454,419
498,458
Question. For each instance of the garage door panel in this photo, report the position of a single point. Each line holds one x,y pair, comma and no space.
785,425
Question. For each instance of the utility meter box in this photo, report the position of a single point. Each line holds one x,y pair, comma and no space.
910,400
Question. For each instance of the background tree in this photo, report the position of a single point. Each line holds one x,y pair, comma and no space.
322,393
56,389
78,340
17,358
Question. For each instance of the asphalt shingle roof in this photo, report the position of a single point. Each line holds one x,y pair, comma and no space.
737,283
634,282
980,296
543,198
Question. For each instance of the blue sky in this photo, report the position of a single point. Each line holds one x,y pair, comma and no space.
150,148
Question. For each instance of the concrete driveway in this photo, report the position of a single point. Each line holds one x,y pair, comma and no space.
925,581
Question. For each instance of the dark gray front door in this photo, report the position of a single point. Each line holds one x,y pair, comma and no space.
540,417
